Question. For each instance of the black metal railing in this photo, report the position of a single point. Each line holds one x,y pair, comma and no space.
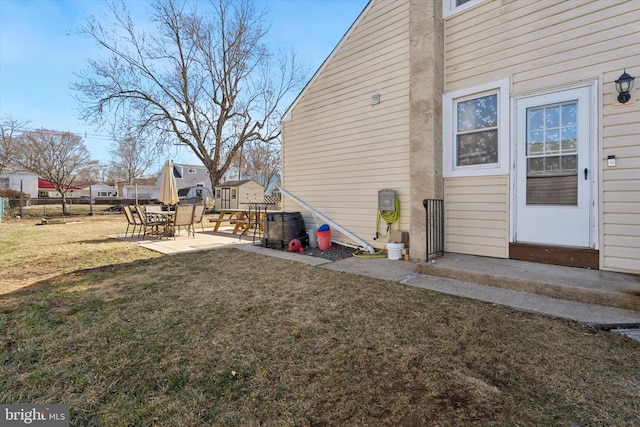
435,226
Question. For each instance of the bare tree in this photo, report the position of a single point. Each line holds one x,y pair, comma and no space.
131,158
11,129
259,161
58,157
203,78
90,175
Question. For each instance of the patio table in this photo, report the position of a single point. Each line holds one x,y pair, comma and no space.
165,218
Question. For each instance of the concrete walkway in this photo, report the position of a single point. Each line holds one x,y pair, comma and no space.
589,297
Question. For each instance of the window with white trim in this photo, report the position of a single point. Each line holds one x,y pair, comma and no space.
449,7
476,130
476,121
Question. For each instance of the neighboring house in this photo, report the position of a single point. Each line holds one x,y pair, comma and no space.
47,190
140,192
99,190
188,176
197,194
13,177
237,194
506,110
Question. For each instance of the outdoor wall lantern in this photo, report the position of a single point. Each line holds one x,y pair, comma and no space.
624,84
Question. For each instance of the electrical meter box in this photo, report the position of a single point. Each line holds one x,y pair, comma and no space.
386,200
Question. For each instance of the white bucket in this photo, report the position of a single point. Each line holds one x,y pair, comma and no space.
394,250
313,239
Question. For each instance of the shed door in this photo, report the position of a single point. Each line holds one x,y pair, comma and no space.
553,170
225,198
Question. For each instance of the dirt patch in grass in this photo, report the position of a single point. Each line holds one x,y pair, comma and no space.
227,337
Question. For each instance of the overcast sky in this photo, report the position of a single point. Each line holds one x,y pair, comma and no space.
40,50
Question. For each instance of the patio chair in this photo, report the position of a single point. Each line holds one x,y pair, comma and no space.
183,217
148,221
198,214
132,220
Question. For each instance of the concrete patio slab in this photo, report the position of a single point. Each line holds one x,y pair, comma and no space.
183,243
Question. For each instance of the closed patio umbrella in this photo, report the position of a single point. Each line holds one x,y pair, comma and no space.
168,187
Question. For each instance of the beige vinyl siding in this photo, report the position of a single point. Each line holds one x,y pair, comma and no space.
545,46
339,149
620,204
477,216
539,44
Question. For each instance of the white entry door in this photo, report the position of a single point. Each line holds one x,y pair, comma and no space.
554,169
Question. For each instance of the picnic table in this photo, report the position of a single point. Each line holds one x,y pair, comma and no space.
236,217
243,220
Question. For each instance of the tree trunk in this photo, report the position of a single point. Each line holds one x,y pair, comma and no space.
64,205
215,176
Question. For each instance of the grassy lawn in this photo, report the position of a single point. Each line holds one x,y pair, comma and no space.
127,337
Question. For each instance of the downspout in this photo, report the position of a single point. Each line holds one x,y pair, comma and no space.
333,225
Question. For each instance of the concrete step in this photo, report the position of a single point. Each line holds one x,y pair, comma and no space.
594,315
569,283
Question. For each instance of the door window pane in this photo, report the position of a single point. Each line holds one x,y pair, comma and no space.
569,164
536,118
535,166
552,165
569,139
552,117
535,142
547,139
569,112
552,159
552,141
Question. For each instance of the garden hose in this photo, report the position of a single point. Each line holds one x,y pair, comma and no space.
390,218
377,254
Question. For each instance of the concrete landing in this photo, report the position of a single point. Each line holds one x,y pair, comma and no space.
570,283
